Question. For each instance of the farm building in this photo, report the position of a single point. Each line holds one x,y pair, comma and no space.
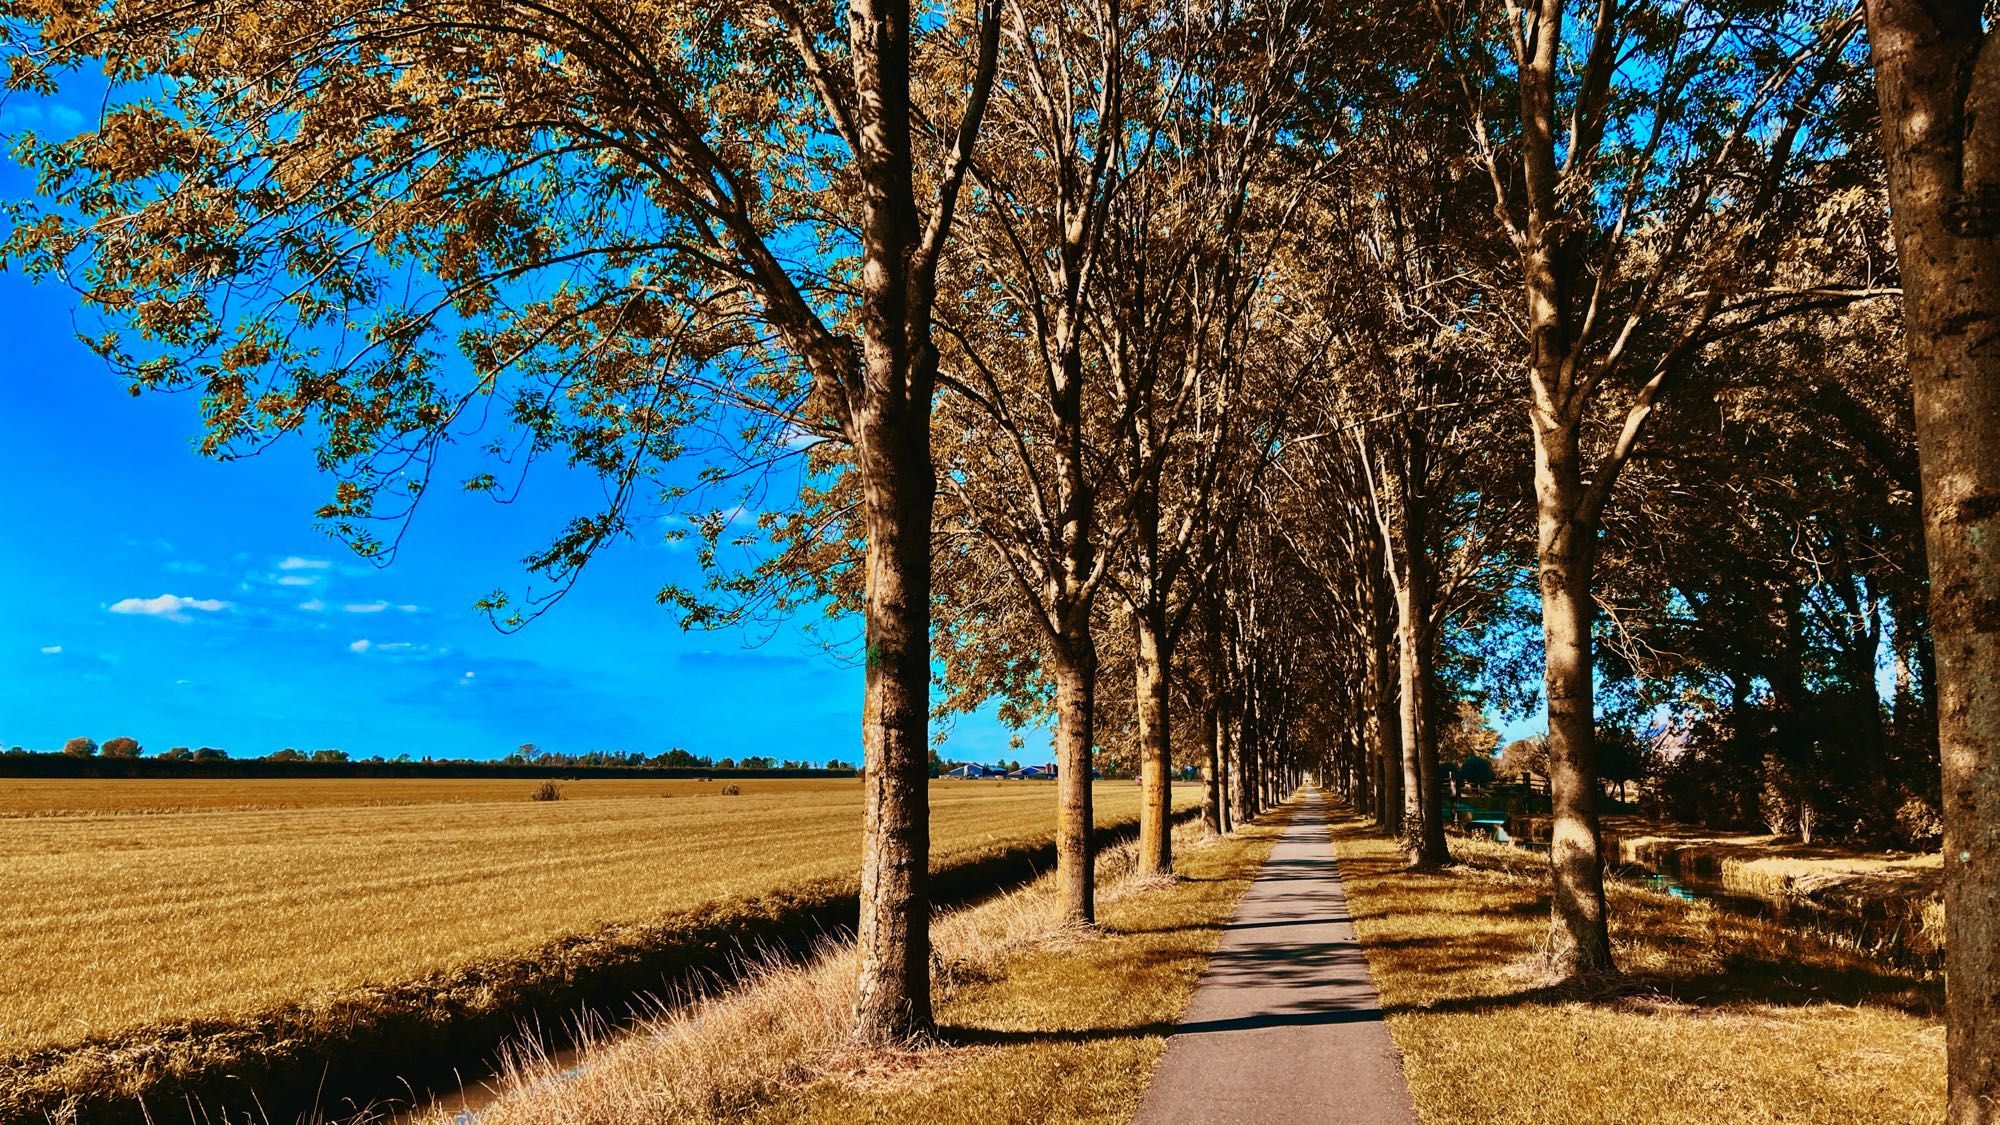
972,770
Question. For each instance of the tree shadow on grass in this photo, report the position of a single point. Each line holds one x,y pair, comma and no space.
1764,963
997,1037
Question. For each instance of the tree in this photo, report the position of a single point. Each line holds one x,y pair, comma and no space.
1937,75
178,754
1476,769
1526,756
122,747
1634,158
211,754
1468,734
329,756
1014,359
605,212
288,754
80,748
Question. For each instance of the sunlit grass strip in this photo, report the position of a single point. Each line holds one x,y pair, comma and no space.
1718,1018
1039,1022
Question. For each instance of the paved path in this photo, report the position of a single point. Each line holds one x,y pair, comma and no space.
1285,1025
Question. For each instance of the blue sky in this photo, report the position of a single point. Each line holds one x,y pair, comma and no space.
151,592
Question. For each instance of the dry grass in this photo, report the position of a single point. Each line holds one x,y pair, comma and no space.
1898,888
1038,1023
110,922
1718,1018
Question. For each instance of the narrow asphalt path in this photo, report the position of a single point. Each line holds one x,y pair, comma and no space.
1286,1025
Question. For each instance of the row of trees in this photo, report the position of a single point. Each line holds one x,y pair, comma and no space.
1246,385
527,755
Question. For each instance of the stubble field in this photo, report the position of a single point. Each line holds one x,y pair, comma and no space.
132,903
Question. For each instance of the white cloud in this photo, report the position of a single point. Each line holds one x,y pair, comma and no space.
51,650
299,562
313,605
366,607
298,579
396,648
173,607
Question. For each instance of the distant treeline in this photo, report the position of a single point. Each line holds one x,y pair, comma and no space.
210,762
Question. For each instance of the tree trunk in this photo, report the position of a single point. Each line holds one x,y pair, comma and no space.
1581,941
1360,782
1150,675
1423,801
1076,696
1410,713
1423,797
1938,78
889,425
1240,794
1225,784
1385,737
1211,769
894,995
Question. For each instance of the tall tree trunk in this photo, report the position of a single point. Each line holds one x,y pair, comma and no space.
1423,802
1253,745
1150,675
889,424
1937,73
1225,782
1581,938
1384,733
1410,714
1423,797
1241,797
893,938
1360,782
1076,697
1211,766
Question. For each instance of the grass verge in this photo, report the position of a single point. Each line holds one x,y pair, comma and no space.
1037,1022
1716,1017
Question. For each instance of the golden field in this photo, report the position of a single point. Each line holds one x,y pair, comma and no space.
138,796
260,894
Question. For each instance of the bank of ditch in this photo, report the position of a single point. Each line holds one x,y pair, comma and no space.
1038,1021
375,1049
1886,905
1714,1016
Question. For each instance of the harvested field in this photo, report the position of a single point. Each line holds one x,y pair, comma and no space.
138,796
112,924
